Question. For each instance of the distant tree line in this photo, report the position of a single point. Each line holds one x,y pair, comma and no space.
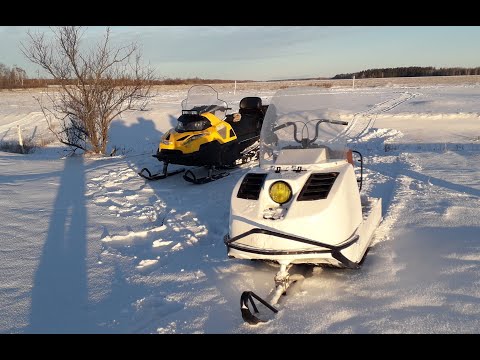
16,77
193,81
411,71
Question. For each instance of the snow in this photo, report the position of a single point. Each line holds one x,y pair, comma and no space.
88,246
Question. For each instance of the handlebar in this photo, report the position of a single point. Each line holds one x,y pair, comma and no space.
306,141
284,126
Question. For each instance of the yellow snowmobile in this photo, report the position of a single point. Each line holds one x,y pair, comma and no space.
206,137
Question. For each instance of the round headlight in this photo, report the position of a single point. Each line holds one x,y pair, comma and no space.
280,192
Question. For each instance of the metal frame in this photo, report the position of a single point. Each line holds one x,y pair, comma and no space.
332,249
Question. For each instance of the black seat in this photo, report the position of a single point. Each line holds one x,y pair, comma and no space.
251,105
252,114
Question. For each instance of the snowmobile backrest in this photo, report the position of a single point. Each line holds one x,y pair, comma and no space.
251,104
251,120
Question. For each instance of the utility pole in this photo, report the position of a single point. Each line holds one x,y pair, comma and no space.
20,139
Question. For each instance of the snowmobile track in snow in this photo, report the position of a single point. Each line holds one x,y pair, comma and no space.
363,121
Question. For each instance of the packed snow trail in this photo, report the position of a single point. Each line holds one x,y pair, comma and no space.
363,121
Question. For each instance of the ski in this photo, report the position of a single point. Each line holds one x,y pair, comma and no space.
157,176
161,175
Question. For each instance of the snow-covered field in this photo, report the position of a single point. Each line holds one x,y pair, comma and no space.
88,246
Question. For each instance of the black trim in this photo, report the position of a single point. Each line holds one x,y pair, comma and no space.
278,252
183,137
318,186
251,186
334,250
360,181
208,154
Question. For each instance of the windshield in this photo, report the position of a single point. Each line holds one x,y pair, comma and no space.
204,98
304,118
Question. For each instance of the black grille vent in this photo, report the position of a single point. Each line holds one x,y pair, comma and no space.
251,186
317,186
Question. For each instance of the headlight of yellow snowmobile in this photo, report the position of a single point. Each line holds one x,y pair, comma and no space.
165,138
194,137
280,192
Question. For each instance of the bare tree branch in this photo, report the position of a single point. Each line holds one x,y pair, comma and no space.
96,85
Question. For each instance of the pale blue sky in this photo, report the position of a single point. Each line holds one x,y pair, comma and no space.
277,52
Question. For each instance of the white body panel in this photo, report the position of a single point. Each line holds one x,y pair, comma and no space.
332,220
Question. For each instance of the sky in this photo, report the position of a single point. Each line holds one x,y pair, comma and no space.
274,52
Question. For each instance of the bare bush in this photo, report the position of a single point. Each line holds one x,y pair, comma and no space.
13,146
12,78
96,85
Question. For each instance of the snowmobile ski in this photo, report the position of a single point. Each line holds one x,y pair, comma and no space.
195,177
247,315
158,176
283,280
161,175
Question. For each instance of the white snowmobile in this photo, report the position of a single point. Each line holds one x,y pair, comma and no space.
302,204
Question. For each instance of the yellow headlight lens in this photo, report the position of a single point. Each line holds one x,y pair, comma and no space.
280,192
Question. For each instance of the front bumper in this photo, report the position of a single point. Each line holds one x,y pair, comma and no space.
324,251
